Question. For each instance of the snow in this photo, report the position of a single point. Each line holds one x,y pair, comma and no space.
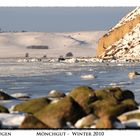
133,123
15,44
72,60
69,73
19,95
12,120
128,46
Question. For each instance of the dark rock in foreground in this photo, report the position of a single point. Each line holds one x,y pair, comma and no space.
108,122
83,107
3,109
83,95
127,94
32,122
110,93
56,114
4,96
32,106
113,102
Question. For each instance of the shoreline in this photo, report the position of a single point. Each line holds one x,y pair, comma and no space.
74,108
73,59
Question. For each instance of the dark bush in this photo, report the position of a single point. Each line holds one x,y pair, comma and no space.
37,47
69,54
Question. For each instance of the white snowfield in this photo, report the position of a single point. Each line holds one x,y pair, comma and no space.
79,43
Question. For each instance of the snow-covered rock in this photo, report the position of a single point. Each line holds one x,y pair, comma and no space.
20,95
88,77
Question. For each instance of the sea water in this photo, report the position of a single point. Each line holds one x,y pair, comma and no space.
37,79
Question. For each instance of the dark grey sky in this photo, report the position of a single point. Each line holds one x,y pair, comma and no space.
60,19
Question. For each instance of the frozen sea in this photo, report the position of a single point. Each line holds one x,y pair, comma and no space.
38,78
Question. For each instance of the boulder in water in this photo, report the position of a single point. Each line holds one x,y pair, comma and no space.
133,74
4,96
88,77
21,96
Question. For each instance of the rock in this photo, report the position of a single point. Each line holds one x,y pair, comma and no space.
104,107
3,109
86,121
108,122
111,92
88,77
133,74
129,104
105,122
122,117
127,94
31,122
61,58
129,115
4,96
21,96
55,115
55,94
112,107
83,95
69,55
32,106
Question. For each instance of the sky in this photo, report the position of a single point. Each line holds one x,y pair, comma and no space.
60,19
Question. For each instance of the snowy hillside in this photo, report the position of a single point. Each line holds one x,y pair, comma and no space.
130,16
79,43
128,45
